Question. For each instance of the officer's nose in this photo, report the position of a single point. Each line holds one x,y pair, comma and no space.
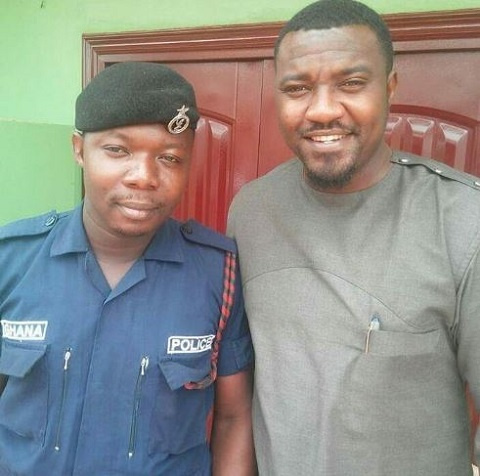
144,173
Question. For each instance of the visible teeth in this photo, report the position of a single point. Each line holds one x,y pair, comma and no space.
326,138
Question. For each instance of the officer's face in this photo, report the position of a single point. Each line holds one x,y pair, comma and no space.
133,176
332,95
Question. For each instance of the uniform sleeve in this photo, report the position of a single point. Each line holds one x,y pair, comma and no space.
236,350
468,335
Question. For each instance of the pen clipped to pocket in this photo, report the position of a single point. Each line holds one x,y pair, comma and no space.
373,326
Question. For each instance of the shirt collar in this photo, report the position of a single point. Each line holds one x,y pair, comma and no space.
167,243
71,236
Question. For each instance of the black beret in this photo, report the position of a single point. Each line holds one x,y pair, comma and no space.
132,93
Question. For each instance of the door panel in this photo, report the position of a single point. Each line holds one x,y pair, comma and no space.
443,80
436,108
226,141
447,142
272,149
205,196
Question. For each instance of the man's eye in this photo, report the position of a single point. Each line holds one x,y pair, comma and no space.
353,83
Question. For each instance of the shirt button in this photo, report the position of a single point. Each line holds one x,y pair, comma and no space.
404,161
438,171
50,220
477,184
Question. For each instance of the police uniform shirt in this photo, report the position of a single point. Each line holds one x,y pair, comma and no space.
96,376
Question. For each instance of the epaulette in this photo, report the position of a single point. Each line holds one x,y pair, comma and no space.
30,226
198,233
438,168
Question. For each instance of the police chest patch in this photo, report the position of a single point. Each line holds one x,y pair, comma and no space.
189,344
24,330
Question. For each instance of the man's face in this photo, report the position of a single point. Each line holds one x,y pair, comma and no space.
332,93
134,177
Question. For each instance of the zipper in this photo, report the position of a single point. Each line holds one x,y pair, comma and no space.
66,360
136,405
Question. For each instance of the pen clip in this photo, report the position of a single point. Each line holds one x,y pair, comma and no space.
374,326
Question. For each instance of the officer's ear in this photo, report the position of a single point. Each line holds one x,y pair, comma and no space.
77,144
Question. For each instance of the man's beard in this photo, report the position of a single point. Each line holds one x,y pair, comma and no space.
328,179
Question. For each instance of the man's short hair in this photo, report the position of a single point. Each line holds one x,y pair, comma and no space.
326,14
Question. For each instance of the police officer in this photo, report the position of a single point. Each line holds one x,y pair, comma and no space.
123,331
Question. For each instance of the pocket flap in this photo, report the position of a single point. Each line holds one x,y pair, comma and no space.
390,343
184,369
16,360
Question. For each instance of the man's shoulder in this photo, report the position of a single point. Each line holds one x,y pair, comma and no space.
288,168
33,226
195,233
437,168
456,198
274,182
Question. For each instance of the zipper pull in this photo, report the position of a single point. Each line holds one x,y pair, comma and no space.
374,326
136,405
66,358
144,365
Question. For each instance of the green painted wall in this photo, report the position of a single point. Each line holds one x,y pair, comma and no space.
37,172
40,77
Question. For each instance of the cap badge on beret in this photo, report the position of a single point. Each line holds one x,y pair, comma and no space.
180,122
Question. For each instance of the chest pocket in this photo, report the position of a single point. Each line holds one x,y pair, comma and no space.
23,403
180,416
406,381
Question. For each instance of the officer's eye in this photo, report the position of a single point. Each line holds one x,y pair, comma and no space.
295,89
115,150
172,159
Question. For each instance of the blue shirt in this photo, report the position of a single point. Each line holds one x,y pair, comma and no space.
96,375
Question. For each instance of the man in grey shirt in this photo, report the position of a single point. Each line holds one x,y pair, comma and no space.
361,271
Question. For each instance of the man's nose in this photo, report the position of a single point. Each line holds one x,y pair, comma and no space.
324,106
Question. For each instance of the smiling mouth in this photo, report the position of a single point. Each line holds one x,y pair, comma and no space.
330,139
